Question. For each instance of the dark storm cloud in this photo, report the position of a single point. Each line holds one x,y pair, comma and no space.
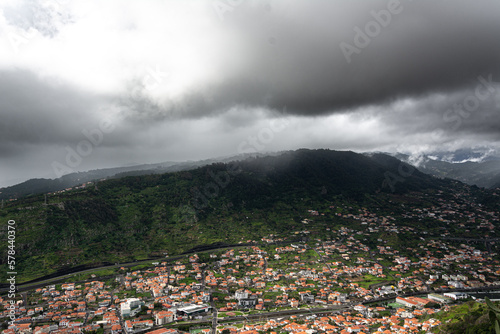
38,118
470,113
37,111
427,47
297,60
208,78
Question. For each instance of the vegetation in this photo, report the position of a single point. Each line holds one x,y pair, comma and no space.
142,217
470,318
494,314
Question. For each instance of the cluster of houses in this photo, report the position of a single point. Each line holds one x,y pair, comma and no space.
254,278
342,323
345,270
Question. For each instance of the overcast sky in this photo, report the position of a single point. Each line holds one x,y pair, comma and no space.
93,84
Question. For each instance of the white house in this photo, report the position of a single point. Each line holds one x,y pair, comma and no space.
456,295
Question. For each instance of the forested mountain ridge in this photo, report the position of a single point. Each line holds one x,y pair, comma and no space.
140,217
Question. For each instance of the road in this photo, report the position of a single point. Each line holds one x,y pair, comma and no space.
215,314
41,282
323,260
321,310
315,311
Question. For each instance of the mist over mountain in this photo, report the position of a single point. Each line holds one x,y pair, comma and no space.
41,185
472,167
477,168
144,216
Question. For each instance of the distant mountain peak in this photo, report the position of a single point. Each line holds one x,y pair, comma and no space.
480,167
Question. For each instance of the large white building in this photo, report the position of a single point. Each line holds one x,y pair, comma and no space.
241,294
131,305
407,302
438,298
164,317
456,295
191,310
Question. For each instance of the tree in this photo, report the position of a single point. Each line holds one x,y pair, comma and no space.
184,328
494,314
433,305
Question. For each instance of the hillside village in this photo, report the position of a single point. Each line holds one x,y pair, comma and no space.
252,280
250,167
258,279
368,272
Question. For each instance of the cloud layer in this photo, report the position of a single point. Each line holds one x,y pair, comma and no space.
197,79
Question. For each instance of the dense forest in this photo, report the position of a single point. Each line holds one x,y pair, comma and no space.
149,216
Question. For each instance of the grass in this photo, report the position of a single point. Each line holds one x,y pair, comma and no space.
196,331
141,266
396,305
369,280
224,314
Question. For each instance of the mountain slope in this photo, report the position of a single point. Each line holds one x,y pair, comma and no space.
484,174
146,216
40,186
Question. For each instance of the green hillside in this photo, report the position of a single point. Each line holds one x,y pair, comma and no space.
471,318
141,217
